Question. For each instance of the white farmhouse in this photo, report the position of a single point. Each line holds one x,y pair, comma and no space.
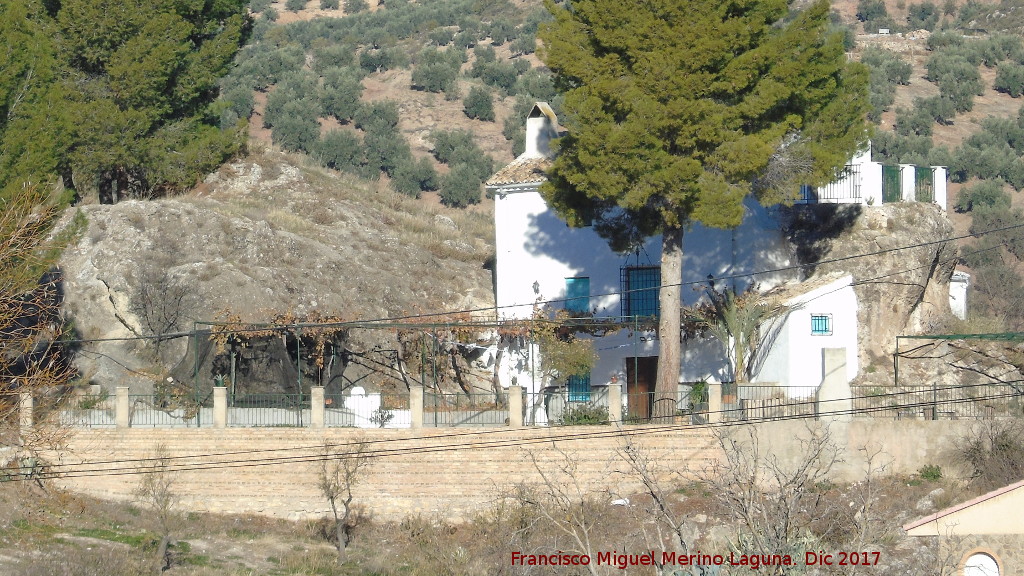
540,258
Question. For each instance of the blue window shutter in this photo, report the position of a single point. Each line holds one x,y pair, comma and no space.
577,295
579,388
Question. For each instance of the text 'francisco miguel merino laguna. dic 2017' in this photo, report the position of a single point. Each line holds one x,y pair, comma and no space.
651,558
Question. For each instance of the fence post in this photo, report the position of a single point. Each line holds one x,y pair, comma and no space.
615,404
26,406
220,407
416,407
834,396
121,407
515,406
714,402
316,407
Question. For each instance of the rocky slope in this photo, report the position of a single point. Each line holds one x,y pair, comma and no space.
260,237
899,291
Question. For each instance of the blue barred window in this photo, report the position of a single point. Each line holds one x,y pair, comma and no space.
821,324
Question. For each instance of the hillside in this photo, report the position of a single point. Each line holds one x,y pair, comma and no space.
265,235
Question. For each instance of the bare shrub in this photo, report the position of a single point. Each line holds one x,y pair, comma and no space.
163,302
156,492
775,502
339,470
994,453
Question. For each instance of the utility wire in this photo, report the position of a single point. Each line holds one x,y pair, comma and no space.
87,469
372,322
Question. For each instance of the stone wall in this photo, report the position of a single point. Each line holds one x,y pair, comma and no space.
447,473
451,473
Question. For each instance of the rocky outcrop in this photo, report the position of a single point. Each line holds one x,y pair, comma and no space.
258,238
903,291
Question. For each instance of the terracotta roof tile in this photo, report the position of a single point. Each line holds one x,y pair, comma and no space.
521,171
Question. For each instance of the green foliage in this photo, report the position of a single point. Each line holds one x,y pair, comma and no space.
945,39
479,104
930,472
330,4
871,10
988,194
999,47
411,177
923,16
460,187
382,113
893,148
341,150
501,31
1010,79
955,71
266,65
888,66
259,5
333,56
300,87
582,414
385,148
524,44
356,6
296,127
341,93
441,36
940,109
436,70
671,117
294,5
914,122
536,85
380,59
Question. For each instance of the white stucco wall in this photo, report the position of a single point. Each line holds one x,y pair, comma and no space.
534,245
795,359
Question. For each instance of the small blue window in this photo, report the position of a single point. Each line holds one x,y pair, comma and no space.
579,388
821,324
577,295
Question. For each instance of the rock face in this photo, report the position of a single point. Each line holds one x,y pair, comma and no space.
899,291
259,238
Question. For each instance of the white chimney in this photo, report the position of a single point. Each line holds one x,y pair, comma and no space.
541,128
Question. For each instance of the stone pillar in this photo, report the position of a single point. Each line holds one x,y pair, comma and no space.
121,407
26,405
317,414
515,406
220,407
834,395
714,402
615,404
416,407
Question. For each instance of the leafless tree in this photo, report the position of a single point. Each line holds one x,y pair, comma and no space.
163,302
156,491
564,503
669,531
773,500
994,452
340,469
33,358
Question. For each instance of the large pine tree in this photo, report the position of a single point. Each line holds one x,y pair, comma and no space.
679,109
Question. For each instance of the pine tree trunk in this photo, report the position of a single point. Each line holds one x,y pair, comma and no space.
666,388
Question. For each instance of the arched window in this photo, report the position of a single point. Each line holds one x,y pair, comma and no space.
980,564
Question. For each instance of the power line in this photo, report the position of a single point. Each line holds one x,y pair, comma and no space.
377,322
77,470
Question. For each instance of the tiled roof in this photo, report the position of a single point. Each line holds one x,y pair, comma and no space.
521,171
964,505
